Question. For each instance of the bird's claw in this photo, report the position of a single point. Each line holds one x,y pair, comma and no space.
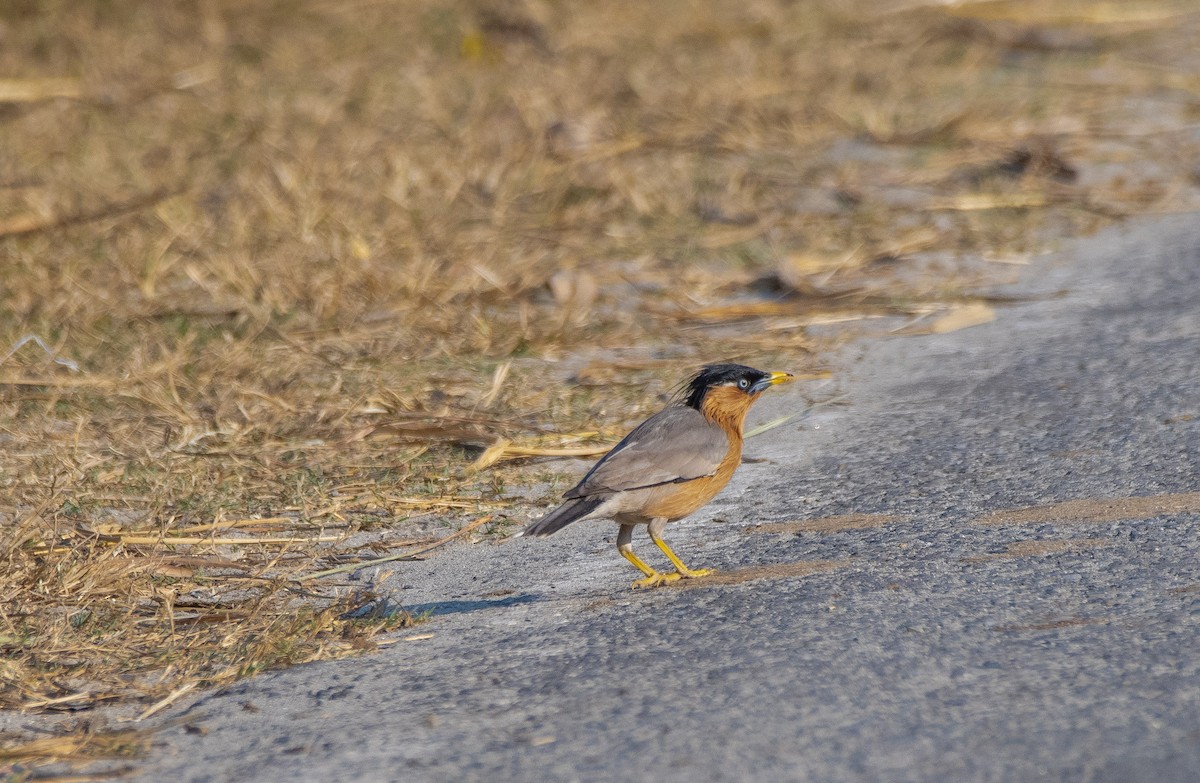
654,580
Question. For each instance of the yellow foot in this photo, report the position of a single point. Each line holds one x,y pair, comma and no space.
688,573
654,580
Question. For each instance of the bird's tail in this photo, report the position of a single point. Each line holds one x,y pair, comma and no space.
571,511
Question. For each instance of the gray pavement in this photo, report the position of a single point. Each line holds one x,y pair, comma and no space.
937,636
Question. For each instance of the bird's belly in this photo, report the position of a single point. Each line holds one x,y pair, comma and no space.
679,500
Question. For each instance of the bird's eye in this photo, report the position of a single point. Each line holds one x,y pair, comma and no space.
744,383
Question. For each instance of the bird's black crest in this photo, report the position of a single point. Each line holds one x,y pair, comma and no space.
716,375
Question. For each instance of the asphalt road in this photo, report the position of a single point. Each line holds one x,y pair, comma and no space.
899,619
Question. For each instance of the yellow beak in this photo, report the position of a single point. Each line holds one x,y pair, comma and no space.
772,380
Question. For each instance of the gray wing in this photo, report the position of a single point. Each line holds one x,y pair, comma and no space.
676,444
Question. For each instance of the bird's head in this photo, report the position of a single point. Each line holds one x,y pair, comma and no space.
738,378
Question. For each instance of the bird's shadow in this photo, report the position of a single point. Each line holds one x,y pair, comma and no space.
439,608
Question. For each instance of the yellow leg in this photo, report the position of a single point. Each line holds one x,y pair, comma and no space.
682,570
625,547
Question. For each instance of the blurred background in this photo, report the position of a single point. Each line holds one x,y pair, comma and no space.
337,262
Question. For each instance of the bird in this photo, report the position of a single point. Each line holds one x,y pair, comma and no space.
669,466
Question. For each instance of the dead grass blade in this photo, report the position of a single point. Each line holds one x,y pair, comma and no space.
166,701
63,382
739,310
440,429
29,224
505,449
428,503
717,239
498,379
235,523
247,541
116,529
959,317
754,432
44,89
974,202
393,558
82,745
1062,12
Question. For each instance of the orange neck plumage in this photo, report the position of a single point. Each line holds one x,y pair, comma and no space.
727,406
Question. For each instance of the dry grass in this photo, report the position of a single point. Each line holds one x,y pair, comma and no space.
311,258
